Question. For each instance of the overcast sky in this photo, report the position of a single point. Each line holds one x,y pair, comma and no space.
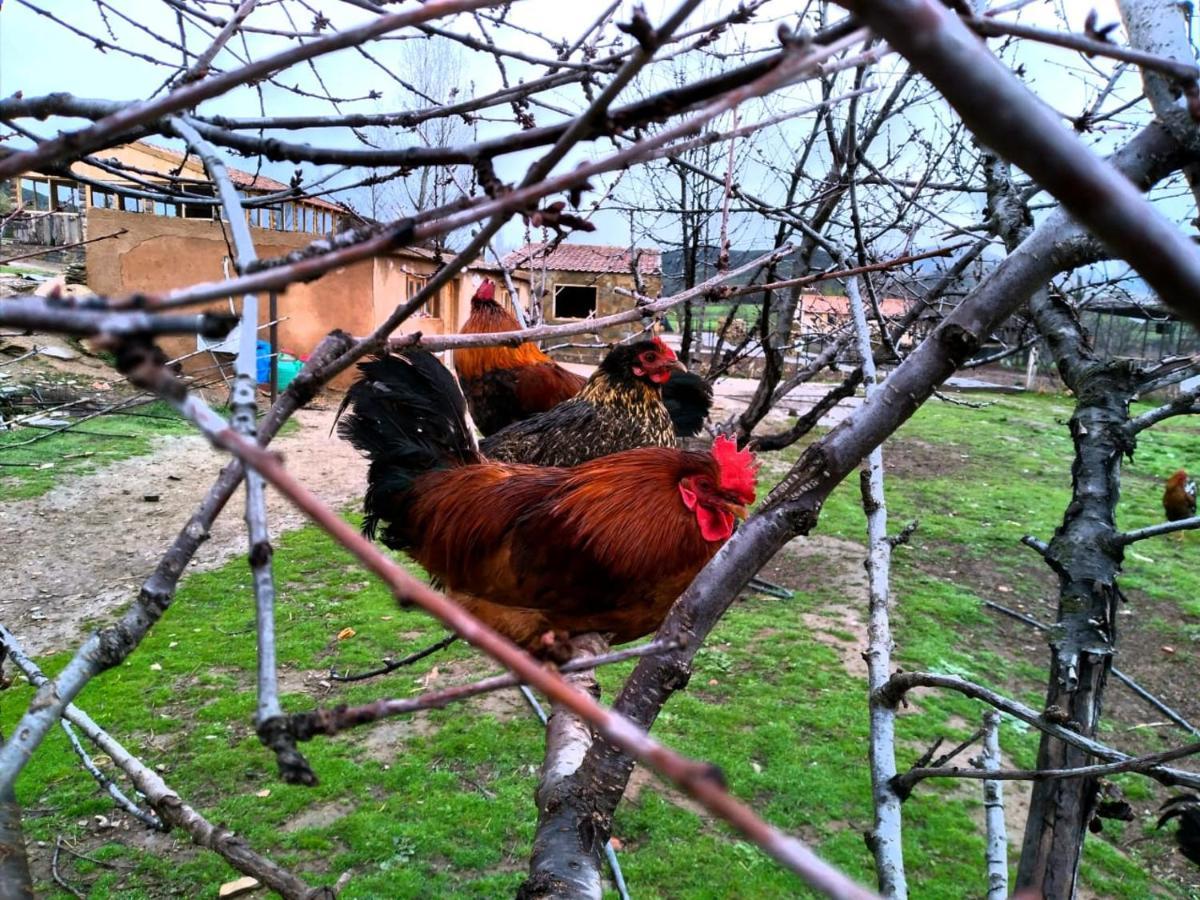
39,56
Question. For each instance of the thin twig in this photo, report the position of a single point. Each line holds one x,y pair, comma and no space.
391,665
1140,534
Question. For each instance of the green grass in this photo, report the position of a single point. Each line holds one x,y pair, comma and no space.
29,470
440,805
51,460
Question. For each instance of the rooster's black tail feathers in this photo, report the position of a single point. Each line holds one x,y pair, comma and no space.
688,398
408,416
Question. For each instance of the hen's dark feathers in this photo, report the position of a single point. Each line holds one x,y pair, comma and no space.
407,416
688,398
1187,808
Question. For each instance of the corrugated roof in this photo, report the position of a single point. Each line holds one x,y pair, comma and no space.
584,258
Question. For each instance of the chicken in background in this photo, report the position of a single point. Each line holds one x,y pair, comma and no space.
606,546
620,408
1185,807
507,384
504,385
1179,498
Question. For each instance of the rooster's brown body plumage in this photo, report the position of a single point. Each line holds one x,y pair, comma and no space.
620,408
605,546
507,384
1179,497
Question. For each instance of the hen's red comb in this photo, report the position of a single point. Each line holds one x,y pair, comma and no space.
665,350
738,469
486,290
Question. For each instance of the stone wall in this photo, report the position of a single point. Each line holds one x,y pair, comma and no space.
608,302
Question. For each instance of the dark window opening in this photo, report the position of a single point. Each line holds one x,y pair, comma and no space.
195,210
573,301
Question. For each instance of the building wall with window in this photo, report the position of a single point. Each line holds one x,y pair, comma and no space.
155,255
569,296
151,169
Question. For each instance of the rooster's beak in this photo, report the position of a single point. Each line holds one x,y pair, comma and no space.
740,512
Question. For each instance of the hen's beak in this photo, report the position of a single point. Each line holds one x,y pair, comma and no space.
676,364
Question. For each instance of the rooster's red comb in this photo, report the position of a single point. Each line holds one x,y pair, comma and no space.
486,290
738,469
663,348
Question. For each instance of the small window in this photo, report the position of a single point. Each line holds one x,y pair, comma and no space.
289,217
103,199
198,210
66,196
35,194
165,209
433,306
574,301
130,204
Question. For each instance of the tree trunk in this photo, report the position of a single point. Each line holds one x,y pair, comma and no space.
1084,556
1087,560
15,883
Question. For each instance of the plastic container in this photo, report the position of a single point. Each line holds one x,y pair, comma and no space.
262,361
289,368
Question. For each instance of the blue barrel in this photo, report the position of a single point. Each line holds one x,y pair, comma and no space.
262,361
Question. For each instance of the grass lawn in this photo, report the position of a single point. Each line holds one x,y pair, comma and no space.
440,805
31,469
90,445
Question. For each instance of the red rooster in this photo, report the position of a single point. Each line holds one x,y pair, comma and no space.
507,384
1179,498
605,546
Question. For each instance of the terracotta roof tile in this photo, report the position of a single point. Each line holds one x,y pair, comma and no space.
584,258
242,179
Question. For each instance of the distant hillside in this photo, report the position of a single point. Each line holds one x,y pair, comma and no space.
672,263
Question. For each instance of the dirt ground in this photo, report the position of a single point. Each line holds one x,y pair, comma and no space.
81,551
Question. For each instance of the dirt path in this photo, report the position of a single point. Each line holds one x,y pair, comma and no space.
74,555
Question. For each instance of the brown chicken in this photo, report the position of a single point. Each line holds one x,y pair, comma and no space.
507,384
605,546
620,408
1179,498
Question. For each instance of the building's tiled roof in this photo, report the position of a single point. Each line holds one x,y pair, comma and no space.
584,258
242,179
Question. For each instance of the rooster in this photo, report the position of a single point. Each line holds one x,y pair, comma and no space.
1179,498
620,408
1187,808
605,546
504,385
507,384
